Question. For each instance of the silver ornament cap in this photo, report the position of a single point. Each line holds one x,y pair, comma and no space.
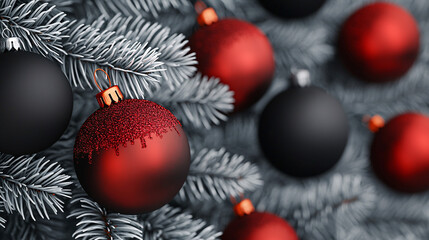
300,78
10,43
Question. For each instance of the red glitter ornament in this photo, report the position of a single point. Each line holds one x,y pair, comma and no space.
400,153
379,42
131,156
251,225
236,52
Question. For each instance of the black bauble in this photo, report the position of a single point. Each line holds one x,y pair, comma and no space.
36,102
292,8
303,131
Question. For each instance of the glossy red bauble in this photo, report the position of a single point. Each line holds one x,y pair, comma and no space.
379,42
239,54
257,226
132,157
400,153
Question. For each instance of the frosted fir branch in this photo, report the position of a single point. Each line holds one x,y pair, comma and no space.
385,229
314,207
31,184
40,29
197,102
170,223
41,229
238,135
178,60
146,8
64,5
218,175
298,44
2,220
131,65
94,222
360,97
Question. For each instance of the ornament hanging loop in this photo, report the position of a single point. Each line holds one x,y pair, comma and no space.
199,6
109,96
95,78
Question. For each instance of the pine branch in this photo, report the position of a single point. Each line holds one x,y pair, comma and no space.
131,65
197,102
94,222
32,184
2,220
170,223
39,28
298,44
178,61
41,229
215,174
109,8
314,207
64,5
238,135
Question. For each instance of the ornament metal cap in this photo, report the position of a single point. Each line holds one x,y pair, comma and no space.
300,78
206,16
245,207
374,123
109,96
10,43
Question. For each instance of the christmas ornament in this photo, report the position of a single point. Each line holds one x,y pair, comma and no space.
131,156
400,152
303,130
235,51
251,225
292,8
36,100
379,42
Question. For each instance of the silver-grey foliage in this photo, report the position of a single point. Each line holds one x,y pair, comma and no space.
298,44
177,59
41,229
197,102
31,184
218,175
314,208
95,222
32,23
131,65
170,223
110,8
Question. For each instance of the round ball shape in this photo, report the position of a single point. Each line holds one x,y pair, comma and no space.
379,42
303,131
36,102
400,153
257,226
288,9
239,54
132,157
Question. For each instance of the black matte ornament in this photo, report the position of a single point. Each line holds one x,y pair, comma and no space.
303,131
292,8
36,102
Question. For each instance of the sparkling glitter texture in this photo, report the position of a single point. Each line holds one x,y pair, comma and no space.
120,124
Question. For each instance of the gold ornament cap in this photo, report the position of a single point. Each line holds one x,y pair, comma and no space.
245,207
374,123
206,15
109,96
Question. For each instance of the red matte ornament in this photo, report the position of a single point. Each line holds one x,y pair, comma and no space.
251,225
400,153
238,53
131,156
379,42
